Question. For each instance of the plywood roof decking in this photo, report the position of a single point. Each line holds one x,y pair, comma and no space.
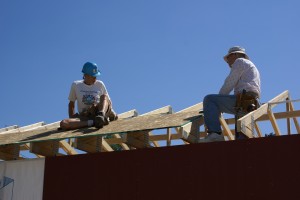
140,123
133,131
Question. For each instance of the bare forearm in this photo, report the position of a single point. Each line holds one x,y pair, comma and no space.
71,109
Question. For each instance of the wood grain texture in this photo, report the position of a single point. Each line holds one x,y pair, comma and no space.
140,123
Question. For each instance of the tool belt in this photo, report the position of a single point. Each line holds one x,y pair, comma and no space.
246,102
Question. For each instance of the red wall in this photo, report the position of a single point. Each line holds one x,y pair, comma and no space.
261,168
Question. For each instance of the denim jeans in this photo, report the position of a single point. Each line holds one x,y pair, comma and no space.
213,106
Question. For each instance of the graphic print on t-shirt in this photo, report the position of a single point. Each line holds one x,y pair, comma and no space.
89,97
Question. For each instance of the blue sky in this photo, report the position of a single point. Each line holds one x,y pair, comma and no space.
151,53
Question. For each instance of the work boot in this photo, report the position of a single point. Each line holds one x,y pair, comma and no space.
212,137
100,120
112,115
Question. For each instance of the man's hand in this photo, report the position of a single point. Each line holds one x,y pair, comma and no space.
76,115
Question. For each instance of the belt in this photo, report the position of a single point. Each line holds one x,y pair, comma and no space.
252,94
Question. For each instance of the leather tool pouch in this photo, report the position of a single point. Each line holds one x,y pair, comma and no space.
246,102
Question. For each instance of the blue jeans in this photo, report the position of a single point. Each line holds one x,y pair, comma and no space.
213,106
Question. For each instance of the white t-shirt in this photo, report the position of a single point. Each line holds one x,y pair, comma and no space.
86,95
243,76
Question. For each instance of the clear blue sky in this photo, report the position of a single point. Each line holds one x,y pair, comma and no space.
151,53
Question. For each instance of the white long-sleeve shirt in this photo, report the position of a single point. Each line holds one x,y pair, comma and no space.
243,76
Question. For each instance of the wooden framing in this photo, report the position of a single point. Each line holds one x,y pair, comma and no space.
6,129
10,152
247,124
134,131
47,148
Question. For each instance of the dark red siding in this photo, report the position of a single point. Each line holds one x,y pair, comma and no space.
264,168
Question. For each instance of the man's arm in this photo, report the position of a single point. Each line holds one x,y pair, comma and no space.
233,78
71,109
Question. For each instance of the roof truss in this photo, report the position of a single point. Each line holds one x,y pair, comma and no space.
160,127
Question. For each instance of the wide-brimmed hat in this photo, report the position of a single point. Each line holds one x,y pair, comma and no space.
236,49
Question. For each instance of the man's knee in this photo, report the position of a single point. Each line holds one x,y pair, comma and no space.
208,98
105,103
104,97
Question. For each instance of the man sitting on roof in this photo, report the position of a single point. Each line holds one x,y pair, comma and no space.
244,79
93,102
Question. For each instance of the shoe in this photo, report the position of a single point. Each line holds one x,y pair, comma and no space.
240,136
100,121
212,137
112,116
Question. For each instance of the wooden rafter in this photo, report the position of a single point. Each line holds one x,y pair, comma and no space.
133,131
226,129
265,113
163,110
190,132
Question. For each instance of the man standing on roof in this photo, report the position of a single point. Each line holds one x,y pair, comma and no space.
244,78
93,102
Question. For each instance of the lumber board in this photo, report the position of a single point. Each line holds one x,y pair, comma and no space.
163,110
274,123
128,114
9,152
67,147
140,123
8,128
23,128
196,107
138,139
45,148
226,129
89,144
243,124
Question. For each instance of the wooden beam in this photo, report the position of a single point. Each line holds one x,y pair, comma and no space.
27,147
10,152
164,137
169,137
226,129
280,115
160,137
277,115
258,130
128,114
198,106
138,139
90,144
163,110
186,130
123,145
67,147
24,128
288,120
106,146
190,131
45,148
274,123
4,130
125,115
244,123
294,118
